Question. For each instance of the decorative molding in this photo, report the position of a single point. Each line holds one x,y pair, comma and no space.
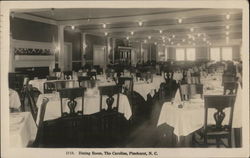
35,18
32,54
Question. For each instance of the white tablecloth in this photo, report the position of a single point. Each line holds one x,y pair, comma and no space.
40,82
144,88
189,118
14,99
22,129
91,105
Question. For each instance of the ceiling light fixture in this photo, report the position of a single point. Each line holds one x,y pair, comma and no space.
132,33
192,29
227,33
160,31
173,36
227,26
199,34
145,41
72,27
140,23
104,26
149,37
179,20
127,37
183,40
228,16
155,43
106,34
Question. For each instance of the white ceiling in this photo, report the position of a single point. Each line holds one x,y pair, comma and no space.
209,24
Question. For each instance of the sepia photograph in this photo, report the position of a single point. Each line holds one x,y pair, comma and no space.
116,79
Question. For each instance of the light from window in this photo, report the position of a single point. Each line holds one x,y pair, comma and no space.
166,53
226,53
180,54
215,54
190,54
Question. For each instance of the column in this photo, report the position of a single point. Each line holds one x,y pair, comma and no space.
113,50
12,56
84,46
220,53
108,50
141,52
61,47
150,53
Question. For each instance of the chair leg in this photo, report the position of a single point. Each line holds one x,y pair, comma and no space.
229,141
217,142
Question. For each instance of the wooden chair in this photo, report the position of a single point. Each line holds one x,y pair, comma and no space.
82,80
110,91
231,86
185,92
92,75
31,102
67,74
195,89
71,94
51,78
127,83
113,129
218,131
49,87
228,78
40,123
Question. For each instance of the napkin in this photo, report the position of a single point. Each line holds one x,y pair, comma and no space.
177,98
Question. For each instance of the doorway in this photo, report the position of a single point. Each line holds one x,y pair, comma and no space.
67,56
99,56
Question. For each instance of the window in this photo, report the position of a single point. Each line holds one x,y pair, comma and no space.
190,54
215,54
166,53
226,53
180,54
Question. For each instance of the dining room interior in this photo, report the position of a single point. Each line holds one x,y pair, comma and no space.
125,78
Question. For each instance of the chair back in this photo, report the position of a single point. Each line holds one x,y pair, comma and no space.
42,111
127,83
228,78
83,80
51,78
231,86
110,91
49,87
67,74
184,90
195,89
219,102
31,101
114,128
71,94
92,75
